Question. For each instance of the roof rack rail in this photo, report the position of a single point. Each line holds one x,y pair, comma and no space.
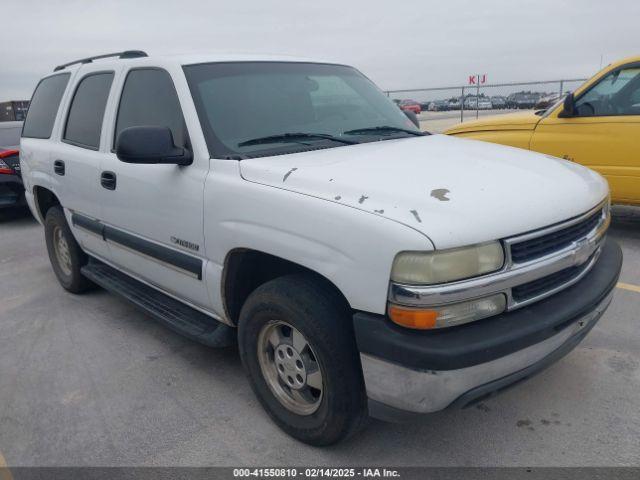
125,54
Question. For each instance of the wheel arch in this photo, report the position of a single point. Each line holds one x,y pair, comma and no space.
246,269
44,199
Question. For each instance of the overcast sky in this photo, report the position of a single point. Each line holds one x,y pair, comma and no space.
399,44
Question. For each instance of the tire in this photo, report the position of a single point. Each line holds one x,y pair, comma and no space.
66,262
321,315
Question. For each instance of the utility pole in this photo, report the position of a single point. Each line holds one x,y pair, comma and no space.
478,98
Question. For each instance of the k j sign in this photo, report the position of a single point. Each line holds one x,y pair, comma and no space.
478,79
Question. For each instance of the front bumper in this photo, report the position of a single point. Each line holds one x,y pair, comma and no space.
11,191
410,372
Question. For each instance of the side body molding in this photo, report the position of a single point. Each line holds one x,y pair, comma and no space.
179,261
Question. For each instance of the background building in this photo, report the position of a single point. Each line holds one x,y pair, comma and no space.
14,110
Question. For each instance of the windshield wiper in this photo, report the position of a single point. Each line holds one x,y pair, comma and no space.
293,138
383,129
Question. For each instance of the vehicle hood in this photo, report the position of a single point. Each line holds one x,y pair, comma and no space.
454,190
509,121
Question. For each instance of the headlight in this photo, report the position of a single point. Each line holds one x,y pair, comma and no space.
428,268
448,315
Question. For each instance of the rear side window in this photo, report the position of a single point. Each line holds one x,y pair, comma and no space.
84,122
149,99
44,106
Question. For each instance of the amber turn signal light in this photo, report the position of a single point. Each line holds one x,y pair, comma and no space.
411,318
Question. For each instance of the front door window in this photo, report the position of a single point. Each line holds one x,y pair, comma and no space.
618,93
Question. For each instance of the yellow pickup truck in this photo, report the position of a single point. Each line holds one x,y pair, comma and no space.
598,126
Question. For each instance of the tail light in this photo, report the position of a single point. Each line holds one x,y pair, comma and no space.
4,167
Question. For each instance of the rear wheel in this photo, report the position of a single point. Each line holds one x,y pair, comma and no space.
298,350
65,255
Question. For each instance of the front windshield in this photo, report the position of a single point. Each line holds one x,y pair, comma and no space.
241,104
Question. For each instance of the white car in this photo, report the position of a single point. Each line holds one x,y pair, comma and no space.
485,104
473,103
363,266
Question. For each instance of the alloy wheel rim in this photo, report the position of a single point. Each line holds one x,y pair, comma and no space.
290,367
61,248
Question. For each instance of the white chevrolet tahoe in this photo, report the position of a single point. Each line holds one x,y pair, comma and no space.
363,266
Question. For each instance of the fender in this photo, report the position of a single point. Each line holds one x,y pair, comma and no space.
304,230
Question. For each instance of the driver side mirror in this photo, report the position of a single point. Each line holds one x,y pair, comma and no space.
569,107
150,145
413,117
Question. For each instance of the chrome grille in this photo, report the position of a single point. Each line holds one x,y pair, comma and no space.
537,247
549,283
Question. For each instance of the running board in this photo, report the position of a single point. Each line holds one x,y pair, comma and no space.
174,314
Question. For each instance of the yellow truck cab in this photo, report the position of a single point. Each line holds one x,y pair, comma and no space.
598,126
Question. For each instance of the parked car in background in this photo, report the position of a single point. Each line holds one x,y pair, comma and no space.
484,104
454,104
10,135
481,103
597,126
362,266
438,106
11,187
547,100
470,103
522,100
410,105
498,102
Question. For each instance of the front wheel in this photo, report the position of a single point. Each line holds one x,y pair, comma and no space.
298,350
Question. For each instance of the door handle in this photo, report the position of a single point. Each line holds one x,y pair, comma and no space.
58,167
108,180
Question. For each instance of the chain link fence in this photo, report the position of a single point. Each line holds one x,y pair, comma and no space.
442,107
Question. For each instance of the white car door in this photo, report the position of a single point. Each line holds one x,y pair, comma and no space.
76,157
154,213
